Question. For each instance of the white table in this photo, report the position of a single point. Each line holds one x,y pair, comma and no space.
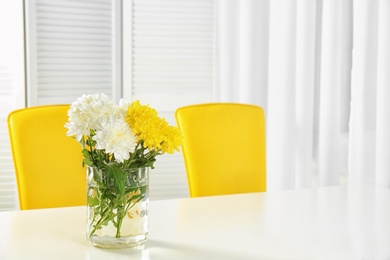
324,223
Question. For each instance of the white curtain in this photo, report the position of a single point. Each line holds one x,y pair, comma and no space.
325,126
370,115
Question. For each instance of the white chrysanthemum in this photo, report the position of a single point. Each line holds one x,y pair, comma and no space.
123,107
115,137
87,113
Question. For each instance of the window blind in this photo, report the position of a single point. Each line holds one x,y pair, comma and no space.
8,196
172,51
169,62
12,93
73,48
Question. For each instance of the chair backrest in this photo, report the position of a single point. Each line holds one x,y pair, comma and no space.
47,162
224,148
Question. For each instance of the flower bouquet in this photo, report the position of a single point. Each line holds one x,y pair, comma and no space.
119,144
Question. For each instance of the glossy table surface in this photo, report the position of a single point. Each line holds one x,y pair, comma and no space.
319,223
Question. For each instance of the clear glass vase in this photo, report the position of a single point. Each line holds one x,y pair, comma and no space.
117,206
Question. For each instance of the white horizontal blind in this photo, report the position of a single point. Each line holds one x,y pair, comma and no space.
169,60
73,48
8,195
172,51
12,93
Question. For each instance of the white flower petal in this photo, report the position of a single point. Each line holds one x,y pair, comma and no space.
116,138
87,112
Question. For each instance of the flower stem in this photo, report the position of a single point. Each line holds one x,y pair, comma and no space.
120,216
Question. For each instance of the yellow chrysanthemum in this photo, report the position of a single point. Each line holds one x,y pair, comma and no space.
153,130
139,113
172,141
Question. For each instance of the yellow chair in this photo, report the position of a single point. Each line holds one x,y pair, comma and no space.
224,148
47,162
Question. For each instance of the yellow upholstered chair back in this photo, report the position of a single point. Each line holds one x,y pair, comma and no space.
224,148
47,162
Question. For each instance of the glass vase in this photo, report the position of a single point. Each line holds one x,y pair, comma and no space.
117,206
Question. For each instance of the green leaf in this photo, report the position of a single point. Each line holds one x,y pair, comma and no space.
92,201
87,162
118,177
